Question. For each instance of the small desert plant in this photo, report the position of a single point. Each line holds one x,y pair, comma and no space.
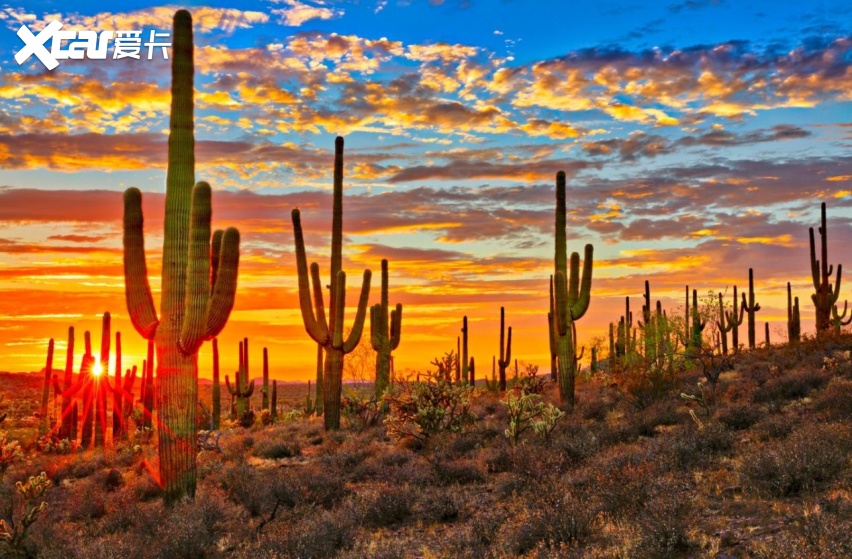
23,513
529,411
419,409
361,412
10,451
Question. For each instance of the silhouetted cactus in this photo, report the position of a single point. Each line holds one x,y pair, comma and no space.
837,319
794,323
318,405
735,320
242,388
724,325
750,307
216,404
505,350
329,334
825,297
465,360
551,335
385,331
264,405
68,430
198,285
572,296
767,334
44,424
117,399
274,403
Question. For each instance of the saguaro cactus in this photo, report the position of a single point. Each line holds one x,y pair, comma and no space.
242,388
68,429
384,337
724,324
505,349
464,357
735,320
551,335
264,404
318,405
837,319
329,333
751,307
216,405
794,323
695,340
825,297
45,426
572,296
198,284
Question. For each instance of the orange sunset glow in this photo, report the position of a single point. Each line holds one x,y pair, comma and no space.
691,157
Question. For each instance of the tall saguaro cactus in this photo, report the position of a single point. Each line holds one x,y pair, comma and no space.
751,307
735,320
329,333
464,357
551,335
794,323
825,297
724,324
243,388
198,284
572,296
505,349
384,337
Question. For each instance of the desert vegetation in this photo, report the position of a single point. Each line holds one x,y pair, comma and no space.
673,443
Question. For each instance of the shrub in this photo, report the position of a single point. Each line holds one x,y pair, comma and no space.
809,456
383,506
423,408
739,417
835,400
665,520
791,386
528,411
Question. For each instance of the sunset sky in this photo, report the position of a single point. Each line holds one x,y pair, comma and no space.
698,136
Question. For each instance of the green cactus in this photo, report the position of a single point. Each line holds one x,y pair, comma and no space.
794,323
384,337
724,324
243,388
572,296
735,320
329,334
551,335
44,425
216,405
751,307
274,403
465,368
505,350
198,285
318,405
837,319
265,401
825,297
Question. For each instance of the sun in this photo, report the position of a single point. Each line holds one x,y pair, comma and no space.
97,369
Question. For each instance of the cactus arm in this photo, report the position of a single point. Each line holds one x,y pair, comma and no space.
230,388
396,326
198,271
140,302
249,390
835,294
319,305
508,348
225,290
215,250
360,314
581,305
313,326
814,262
574,279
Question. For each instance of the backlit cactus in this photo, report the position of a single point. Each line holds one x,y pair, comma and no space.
750,307
825,297
243,388
794,323
572,297
329,333
198,284
385,331
505,350
724,325
264,405
735,320
839,319
465,367
216,404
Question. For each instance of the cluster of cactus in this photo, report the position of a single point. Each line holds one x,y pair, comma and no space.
385,331
329,333
199,279
571,297
730,321
242,389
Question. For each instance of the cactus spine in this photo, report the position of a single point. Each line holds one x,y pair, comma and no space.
572,296
794,323
751,307
329,334
264,405
505,349
825,297
216,405
243,388
198,284
384,337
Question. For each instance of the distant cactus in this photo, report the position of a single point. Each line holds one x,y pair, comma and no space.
572,296
751,307
695,340
735,320
794,323
505,350
385,330
329,333
68,430
274,403
724,325
265,401
117,400
198,284
44,425
493,385
768,344
825,297
310,405
471,371
465,360
243,388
